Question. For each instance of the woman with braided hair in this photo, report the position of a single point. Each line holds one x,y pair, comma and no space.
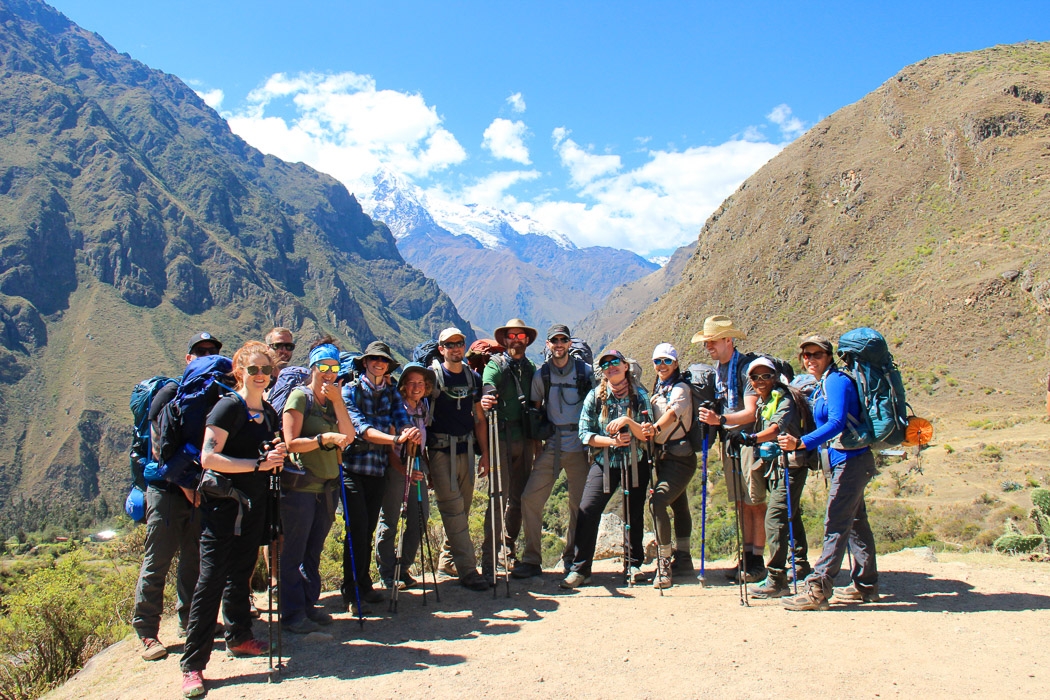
613,422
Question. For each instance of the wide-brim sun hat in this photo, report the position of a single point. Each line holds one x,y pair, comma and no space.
500,334
379,349
716,328
411,367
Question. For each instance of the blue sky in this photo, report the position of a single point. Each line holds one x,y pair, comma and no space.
616,123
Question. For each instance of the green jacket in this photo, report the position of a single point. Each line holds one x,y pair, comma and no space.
500,373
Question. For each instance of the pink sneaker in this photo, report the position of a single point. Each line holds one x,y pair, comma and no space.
192,684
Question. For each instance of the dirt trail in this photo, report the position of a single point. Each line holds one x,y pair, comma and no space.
964,625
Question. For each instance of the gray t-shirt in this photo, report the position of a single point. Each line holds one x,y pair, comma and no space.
565,402
722,371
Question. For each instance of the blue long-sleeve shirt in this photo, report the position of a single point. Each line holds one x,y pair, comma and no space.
836,397
379,408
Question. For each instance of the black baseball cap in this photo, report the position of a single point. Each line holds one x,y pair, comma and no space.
200,338
558,329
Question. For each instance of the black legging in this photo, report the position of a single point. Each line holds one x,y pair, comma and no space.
590,516
364,499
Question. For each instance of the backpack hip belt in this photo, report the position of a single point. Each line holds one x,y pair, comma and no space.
443,441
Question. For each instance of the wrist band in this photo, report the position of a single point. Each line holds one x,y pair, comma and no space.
320,442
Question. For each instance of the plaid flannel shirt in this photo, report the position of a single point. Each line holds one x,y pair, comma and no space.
381,409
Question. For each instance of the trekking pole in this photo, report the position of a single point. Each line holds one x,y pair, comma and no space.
275,568
703,509
626,483
350,548
662,566
791,524
494,460
501,503
738,480
424,539
402,525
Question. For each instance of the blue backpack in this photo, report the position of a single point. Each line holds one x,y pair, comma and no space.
288,379
141,452
179,429
868,362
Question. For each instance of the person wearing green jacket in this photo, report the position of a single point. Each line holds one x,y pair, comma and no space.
506,387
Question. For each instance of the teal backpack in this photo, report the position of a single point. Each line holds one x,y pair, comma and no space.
868,362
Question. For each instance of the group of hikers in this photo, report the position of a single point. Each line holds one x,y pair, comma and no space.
283,447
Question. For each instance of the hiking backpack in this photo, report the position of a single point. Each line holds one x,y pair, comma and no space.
426,353
884,409
584,383
700,379
783,367
178,432
481,351
141,453
289,378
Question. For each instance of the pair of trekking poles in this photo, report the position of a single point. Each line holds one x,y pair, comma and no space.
497,503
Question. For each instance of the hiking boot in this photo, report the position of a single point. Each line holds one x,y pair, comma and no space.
475,582
152,649
302,626
636,575
252,610
754,568
407,582
802,572
249,647
319,617
448,568
682,563
192,684
810,599
731,574
574,580
855,594
775,585
371,595
526,570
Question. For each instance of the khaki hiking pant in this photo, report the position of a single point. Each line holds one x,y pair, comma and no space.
453,503
538,490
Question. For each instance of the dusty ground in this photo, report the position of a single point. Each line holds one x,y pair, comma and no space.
963,625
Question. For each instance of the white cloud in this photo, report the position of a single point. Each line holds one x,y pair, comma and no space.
506,139
345,126
659,205
517,103
212,98
584,166
791,127
489,191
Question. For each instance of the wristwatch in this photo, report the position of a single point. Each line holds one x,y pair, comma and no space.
721,421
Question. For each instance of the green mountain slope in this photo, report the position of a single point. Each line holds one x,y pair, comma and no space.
921,210
130,218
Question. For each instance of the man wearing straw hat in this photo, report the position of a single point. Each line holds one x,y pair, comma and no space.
737,402
507,385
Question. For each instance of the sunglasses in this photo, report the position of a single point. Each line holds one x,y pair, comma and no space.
290,347
455,344
615,362
814,355
762,377
663,361
255,369
560,340
204,350
327,368
517,336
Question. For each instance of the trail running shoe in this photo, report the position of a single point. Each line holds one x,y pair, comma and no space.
152,649
192,684
574,580
249,647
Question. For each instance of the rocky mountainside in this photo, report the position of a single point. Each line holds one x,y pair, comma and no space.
130,218
496,265
627,301
921,210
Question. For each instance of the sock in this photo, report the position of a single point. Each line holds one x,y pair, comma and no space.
682,545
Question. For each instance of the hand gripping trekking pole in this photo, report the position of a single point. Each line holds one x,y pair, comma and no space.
424,539
350,548
496,512
402,525
703,507
663,565
791,524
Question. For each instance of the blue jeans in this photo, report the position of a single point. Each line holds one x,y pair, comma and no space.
306,519
846,525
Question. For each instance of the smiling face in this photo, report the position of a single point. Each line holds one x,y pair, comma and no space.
559,346
516,340
453,349
762,379
376,366
257,362
815,359
664,370
720,350
414,387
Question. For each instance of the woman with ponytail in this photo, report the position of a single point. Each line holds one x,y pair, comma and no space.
613,422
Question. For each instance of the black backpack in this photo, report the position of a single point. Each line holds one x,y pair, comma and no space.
700,379
178,432
584,384
578,350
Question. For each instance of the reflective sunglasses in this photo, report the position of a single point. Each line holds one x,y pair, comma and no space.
814,355
663,361
290,347
255,369
517,336
762,377
454,343
615,362
327,368
560,340
204,350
